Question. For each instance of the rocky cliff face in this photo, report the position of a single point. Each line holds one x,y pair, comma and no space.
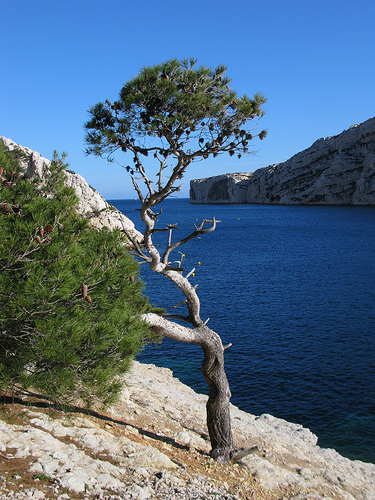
221,189
337,170
91,204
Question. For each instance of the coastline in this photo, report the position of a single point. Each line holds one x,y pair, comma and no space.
164,420
154,440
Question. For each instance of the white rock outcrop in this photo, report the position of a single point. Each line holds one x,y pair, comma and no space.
337,170
288,454
131,450
91,204
226,188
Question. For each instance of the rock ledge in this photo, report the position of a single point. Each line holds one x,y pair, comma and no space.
153,444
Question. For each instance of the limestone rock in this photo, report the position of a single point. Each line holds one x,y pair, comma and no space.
91,204
337,170
228,188
288,453
87,457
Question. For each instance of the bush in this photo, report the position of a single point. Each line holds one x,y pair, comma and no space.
69,304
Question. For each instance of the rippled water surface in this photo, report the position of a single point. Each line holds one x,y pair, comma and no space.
293,289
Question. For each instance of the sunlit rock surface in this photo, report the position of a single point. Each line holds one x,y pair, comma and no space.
337,170
91,204
153,443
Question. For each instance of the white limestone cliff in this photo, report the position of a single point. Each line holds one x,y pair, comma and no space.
91,204
221,188
337,170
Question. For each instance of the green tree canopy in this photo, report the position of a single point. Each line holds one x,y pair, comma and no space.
174,110
69,304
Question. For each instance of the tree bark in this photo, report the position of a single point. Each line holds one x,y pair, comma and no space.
218,410
218,406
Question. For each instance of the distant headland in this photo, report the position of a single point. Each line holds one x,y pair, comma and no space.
337,170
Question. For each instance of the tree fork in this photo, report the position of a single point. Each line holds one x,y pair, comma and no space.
218,408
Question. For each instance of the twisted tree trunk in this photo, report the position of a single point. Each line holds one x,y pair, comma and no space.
218,409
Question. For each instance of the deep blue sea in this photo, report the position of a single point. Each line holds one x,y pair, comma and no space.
293,289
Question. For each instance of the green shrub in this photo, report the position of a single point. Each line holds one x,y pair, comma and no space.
69,304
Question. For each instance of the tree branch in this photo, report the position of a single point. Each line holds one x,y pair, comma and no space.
172,330
198,231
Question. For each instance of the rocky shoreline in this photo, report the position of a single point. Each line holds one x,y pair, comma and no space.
337,170
153,444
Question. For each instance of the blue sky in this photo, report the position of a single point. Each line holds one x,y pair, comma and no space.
313,60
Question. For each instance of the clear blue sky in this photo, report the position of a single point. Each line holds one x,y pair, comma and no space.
313,60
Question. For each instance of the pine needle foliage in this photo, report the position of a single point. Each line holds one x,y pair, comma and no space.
178,112
69,304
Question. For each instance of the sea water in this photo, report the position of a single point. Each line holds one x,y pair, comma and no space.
293,289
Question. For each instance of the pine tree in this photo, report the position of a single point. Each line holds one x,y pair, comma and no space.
178,114
69,304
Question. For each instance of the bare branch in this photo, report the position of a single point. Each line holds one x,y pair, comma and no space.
159,230
171,268
198,231
162,167
189,274
179,304
141,170
139,193
136,245
178,317
171,330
